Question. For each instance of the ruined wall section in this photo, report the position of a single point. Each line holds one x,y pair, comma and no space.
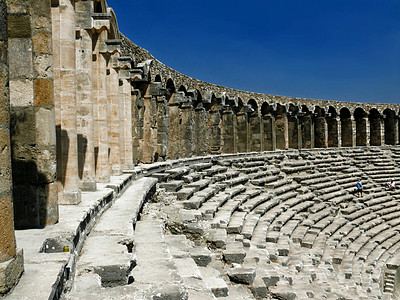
158,68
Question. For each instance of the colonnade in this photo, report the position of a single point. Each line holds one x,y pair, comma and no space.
223,125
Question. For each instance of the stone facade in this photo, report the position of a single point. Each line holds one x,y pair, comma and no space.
86,103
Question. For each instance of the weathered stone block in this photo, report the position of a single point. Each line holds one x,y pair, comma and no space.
19,26
10,272
46,165
7,238
20,58
41,8
42,42
4,105
5,165
70,198
234,252
43,65
21,92
43,91
18,6
23,126
242,275
41,22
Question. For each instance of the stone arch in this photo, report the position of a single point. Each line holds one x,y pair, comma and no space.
333,131
320,128
113,33
361,126
157,78
375,121
182,88
389,120
347,127
170,86
100,6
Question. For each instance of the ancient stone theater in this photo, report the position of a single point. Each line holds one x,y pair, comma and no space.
124,179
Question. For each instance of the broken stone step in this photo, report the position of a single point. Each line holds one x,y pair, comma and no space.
234,252
185,193
212,279
199,185
194,202
172,186
177,173
218,237
201,256
242,275
236,222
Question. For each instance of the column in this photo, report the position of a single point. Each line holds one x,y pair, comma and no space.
242,132
254,132
11,259
299,133
85,121
228,138
201,132
113,117
320,131
382,130
215,130
281,131
137,126
354,132
174,127
100,108
163,127
339,131
187,129
69,192
293,131
126,88
147,144
269,136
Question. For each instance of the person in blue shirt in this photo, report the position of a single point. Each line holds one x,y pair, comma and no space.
359,188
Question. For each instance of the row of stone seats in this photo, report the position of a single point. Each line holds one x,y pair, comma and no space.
294,219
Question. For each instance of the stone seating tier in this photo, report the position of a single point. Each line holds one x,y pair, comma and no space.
275,227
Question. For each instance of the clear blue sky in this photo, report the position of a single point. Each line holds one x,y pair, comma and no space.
323,49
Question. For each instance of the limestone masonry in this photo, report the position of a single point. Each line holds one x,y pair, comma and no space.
188,190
